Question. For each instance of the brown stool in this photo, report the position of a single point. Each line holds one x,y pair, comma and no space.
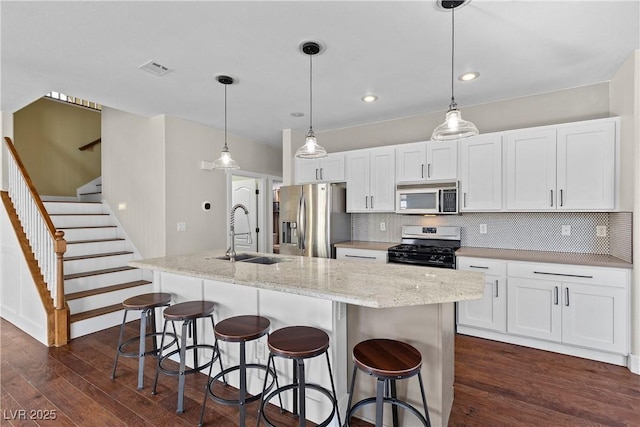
187,313
240,329
299,343
387,361
146,303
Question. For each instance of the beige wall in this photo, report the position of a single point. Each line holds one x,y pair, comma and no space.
625,102
47,137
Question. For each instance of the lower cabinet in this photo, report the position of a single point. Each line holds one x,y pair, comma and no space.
570,309
356,254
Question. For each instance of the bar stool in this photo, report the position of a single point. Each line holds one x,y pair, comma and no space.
387,360
299,343
146,304
240,329
186,312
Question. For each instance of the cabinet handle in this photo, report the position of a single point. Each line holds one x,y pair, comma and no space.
565,275
371,202
479,266
464,199
428,170
321,178
422,170
496,289
359,256
566,294
561,198
366,202
551,198
555,295
316,174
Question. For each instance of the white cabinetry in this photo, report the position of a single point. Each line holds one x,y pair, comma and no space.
427,161
481,173
367,255
370,180
489,312
326,169
565,167
582,306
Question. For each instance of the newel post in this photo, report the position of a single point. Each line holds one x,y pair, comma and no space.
61,312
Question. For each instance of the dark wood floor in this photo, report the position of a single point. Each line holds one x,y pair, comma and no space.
496,384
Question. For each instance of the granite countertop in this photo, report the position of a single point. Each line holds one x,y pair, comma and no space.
593,260
374,246
363,284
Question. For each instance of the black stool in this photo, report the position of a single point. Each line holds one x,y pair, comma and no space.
299,343
188,313
387,361
147,304
240,329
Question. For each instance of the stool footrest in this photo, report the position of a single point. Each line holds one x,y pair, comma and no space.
312,386
193,370
248,399
146,353
390,400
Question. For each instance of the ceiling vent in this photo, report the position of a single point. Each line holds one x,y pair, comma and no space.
155,68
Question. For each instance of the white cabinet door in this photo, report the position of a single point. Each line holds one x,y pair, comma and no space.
442,160
481,173
595,317
366,255
586,166
358,181
531,169
327,169
411,162
307,170
382,186
489,312
533,308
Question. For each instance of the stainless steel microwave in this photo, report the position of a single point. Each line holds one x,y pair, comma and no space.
427,199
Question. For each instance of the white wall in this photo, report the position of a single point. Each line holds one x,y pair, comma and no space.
6,129
625,102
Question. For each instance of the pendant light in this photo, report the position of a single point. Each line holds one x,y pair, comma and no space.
311,149
454,127
225,161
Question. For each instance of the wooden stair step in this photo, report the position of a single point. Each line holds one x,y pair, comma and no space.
97,272
86,226
88,194
75,258
79,214
105,289
70,201
95,313
117,239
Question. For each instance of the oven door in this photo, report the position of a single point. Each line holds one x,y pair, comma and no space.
420,201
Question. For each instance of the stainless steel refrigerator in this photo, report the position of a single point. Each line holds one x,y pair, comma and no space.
312,218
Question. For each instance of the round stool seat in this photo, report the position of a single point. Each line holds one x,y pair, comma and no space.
144,301
242,328
387,358
189,310
298,342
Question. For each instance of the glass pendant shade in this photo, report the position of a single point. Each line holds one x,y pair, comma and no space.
454,127
311,149
225,161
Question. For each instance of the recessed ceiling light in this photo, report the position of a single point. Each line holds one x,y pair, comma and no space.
297,114
466,77
369,98
155,68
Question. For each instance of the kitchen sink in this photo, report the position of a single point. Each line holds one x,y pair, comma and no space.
254,259
239,257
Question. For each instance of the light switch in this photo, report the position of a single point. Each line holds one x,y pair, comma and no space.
182,226
566,230
601,231
483,228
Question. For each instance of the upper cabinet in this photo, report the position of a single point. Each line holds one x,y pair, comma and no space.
370,176
427,161
565,167
326,169
481,173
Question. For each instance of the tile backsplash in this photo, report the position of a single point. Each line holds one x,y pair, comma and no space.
537,231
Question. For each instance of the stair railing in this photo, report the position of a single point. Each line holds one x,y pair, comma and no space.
47,243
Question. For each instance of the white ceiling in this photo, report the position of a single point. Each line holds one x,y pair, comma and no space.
397,50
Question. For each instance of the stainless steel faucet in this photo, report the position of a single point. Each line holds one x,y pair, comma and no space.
231,252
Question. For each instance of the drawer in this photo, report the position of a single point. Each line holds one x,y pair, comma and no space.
482,265
361,255
569,273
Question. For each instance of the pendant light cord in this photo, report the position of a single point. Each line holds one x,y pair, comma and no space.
453,31
311,92
225,117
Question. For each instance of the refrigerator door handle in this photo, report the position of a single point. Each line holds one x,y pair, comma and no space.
302,222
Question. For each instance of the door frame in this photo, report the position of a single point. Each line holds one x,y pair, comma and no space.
265,199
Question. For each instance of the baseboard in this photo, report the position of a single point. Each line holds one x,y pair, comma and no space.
634,364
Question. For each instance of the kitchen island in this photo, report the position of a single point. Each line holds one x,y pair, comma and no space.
351,301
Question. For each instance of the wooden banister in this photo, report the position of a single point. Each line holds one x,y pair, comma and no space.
32,188
90,145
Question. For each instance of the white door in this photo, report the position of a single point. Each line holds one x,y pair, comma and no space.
382,187
489,312
307,170
244,192
358,181
332,168
533,308
481,173
442,160
410,162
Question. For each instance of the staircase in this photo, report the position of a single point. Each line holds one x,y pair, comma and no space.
96,275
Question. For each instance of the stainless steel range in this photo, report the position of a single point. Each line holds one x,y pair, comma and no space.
428,246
